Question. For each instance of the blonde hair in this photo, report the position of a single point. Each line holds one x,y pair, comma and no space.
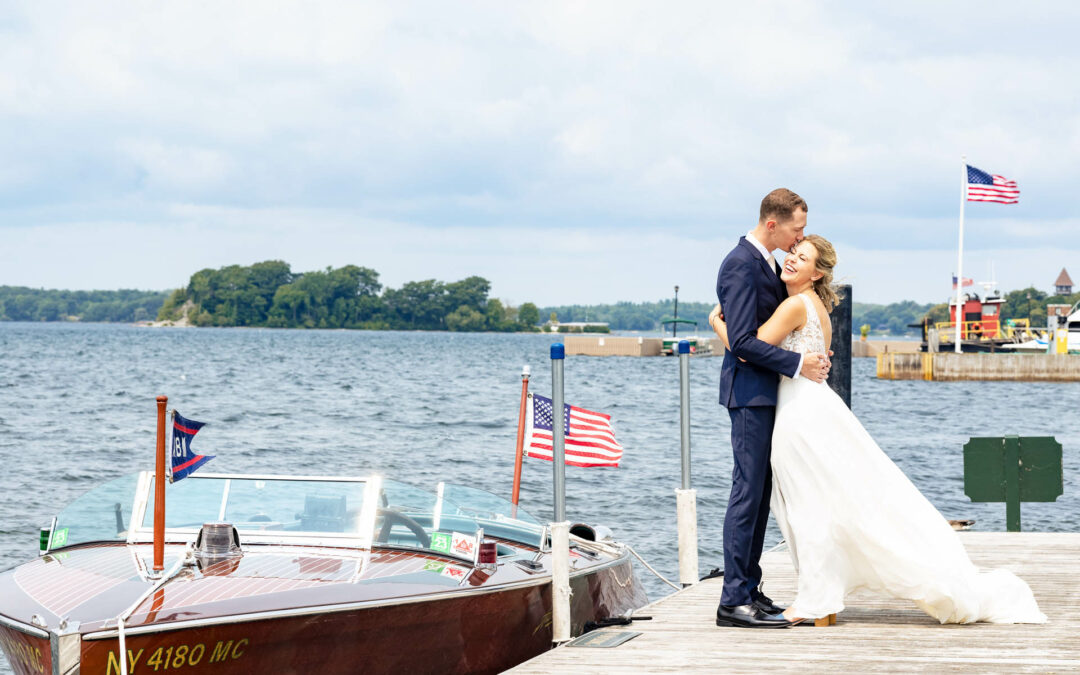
826,261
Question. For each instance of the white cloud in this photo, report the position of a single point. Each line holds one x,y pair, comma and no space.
621,125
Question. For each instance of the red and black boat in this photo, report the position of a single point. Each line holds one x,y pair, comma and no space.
298,574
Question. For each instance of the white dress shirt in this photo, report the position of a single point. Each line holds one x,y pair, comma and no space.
764,251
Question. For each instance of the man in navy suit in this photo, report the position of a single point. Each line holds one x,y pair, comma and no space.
749,289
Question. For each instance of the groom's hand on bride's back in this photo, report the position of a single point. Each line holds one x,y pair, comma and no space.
815,367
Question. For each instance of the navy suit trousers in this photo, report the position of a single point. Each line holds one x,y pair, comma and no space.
748,507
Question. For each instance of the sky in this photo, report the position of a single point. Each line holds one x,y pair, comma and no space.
569,152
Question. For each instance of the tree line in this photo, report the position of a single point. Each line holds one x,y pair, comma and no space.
19,303
270,294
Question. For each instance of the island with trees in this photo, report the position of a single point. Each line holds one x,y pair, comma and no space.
269,294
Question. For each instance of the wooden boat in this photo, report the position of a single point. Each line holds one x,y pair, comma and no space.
298,574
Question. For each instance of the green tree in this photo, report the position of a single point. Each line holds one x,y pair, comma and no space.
495,315
465,319
418,305
170,309
470,292
1026,303
528,315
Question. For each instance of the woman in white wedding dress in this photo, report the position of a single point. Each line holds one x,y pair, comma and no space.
851,518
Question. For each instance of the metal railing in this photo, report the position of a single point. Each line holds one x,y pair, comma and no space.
985,329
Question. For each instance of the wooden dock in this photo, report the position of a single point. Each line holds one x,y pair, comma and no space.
950,367
873,634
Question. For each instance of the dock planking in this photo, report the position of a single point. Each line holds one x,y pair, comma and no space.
874,633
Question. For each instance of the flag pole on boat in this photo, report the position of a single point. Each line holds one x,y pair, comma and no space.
560,529
686,498
159,488
522,411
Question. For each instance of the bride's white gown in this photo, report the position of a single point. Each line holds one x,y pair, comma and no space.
853,520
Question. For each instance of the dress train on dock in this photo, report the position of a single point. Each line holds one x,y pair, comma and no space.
852,519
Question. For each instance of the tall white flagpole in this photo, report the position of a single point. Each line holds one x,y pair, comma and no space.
959,318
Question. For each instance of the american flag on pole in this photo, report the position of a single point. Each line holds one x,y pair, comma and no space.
589,437
983,187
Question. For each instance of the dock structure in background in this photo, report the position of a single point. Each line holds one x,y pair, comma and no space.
608,345
874,633
951,367
870,348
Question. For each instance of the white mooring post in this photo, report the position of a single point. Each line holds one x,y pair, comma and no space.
560,529
686,498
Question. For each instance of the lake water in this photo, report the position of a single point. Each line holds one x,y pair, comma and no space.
77,408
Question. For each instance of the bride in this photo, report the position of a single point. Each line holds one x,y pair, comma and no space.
851,518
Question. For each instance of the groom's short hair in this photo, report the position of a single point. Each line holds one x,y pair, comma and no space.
780,205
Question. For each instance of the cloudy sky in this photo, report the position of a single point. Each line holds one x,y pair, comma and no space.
570,152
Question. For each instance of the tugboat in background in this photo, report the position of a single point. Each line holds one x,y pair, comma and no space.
981,326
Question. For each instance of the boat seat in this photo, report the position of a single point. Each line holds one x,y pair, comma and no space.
323,513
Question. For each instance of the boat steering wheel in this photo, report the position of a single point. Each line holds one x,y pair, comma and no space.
392,517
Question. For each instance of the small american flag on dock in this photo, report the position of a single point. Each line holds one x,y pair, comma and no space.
589,437
984,187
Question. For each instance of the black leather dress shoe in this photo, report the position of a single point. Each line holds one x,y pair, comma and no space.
765,604
748,616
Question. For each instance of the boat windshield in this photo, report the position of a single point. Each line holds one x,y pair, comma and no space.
268,509
261,504
451,509
102,514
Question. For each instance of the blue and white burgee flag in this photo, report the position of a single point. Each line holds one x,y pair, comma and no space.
184,461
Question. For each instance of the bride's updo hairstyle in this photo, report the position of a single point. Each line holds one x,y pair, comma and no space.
826,261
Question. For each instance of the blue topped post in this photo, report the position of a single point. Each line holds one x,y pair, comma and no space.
558,431
684,409
686,497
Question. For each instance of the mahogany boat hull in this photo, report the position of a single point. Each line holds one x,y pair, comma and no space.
478,632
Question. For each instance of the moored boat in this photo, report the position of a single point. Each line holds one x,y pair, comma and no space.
299,574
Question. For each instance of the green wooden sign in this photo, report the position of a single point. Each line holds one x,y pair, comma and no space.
1012,469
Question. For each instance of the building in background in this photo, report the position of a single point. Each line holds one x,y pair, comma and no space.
1063,285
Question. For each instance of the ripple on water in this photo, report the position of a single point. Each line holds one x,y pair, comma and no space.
426,407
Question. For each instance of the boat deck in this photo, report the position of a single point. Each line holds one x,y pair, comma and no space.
873,634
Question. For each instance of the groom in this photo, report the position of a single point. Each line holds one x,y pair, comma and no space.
750,289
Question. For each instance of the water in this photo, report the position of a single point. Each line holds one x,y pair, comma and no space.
77,408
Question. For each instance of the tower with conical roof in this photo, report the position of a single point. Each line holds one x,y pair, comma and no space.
1063,285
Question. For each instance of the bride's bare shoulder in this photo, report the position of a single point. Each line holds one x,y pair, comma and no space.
792,304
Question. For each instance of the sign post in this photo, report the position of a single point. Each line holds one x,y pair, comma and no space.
1012,469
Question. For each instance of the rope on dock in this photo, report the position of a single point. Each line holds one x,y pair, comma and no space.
650,568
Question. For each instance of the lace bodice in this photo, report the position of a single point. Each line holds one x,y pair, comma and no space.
809,338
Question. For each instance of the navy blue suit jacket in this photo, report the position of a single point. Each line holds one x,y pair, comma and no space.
749,293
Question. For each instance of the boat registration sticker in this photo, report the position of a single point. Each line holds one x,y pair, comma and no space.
59,538
464,544
440,541
444,570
